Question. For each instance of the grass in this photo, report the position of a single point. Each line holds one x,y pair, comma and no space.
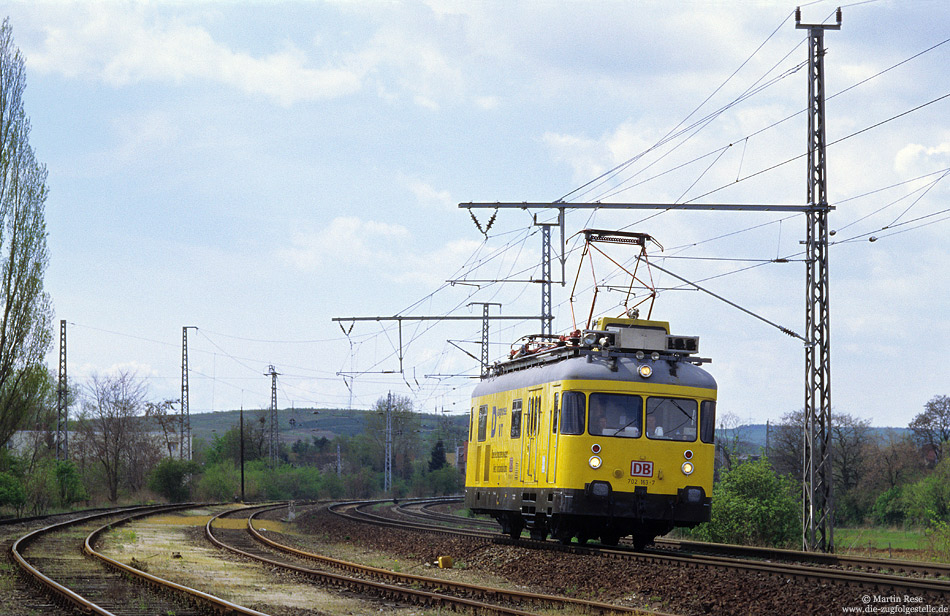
858,539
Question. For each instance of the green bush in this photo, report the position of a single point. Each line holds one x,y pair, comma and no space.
298,483
753,505
172,479
446,480
71,488
12,492
929,498
938,535
219,482
888,509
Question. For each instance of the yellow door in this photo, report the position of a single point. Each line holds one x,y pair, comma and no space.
554,431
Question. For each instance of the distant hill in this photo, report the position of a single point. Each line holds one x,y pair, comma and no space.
752,437
306,423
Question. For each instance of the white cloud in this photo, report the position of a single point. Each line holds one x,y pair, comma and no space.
488,103
429,196
140,134
122,47
431,269
591,157
915,159
348,240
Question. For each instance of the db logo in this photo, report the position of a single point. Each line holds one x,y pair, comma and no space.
641,469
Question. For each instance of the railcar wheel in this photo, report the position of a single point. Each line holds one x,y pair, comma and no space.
610,538
512,525
539,534
640,541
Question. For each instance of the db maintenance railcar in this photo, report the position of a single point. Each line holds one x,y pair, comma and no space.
605,433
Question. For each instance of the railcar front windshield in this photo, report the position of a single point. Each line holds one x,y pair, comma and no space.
671,419
615,415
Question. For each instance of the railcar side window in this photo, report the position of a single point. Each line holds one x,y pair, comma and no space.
482,422
615,415
516,419
554,416
671,419
572,412
707,421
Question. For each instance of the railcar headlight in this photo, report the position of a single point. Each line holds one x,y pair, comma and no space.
589,339
688,454
595,448
595,462
687,468
655,356
640,355
645,371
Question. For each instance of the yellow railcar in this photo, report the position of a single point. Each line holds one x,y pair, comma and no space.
603,434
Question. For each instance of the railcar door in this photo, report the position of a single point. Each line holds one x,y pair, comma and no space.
529,458
544,433
552,440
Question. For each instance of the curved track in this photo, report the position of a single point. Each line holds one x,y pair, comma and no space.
63,559
408,588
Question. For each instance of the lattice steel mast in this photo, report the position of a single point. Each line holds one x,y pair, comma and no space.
272,444
184,417
818,494
485,358
62,400
388,463
547,315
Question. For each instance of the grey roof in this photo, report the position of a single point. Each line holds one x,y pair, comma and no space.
594,366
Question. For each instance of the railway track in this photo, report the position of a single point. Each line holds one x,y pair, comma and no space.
425,509
62,558
407,588
875,575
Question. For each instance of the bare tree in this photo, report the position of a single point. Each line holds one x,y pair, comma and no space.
786,443
728,440
110,426
850,439
25,309
893,461
932,427
405,433
163,414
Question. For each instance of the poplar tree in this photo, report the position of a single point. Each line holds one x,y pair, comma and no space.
25,308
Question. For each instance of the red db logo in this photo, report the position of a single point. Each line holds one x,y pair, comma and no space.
641,469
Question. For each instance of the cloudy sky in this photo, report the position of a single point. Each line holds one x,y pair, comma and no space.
255,169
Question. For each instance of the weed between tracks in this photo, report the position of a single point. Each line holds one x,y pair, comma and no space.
174,548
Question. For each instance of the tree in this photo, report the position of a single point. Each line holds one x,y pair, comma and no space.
437,459
851,446
71,489
754,505
25,308
728,439
163,413
12,492
786,442
172,479
405,433
893,462
110,426
932,427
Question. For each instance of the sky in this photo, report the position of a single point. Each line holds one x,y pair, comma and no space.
256,169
